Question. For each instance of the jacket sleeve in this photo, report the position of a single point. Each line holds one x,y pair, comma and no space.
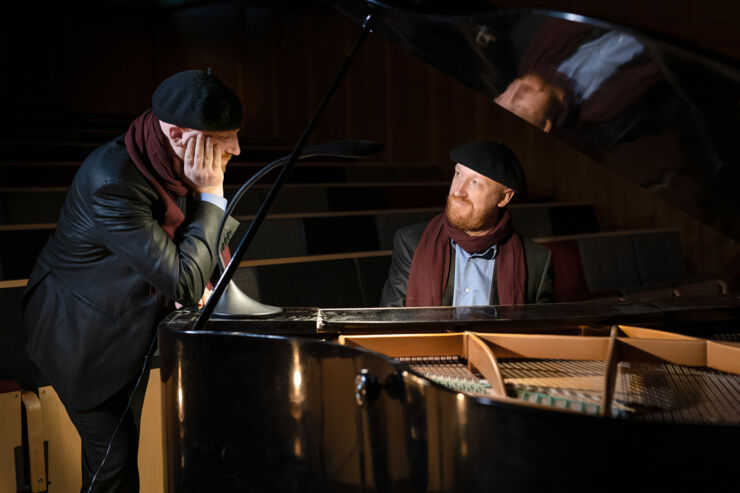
394,290
179,268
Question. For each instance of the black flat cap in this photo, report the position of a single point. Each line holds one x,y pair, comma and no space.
198,100
492,159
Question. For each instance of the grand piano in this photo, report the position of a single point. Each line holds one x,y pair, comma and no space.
630,395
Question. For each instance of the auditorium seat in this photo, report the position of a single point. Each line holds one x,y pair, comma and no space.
61,439
344,280
569,219
275,238
659,257
639,264
11,442
654,290
288,234
387,224
36,439
532,221
699,286
569,283
609,262
333,206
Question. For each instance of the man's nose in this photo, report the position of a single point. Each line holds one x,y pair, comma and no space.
458,188
233,147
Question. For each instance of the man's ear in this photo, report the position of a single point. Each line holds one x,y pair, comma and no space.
508,195
175,134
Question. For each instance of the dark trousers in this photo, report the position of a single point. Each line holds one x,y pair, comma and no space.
96,426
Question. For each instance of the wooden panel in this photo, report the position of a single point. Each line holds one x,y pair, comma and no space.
610,376
292,73
35,435
407,83
95,56
723,356
10,438
480,355
327,52
151,438
641,333
547,346
451,117
65,470
366,80
690,353
36,56
410,344
258,73
202,37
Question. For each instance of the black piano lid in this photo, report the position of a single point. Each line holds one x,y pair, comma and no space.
665,116
701,316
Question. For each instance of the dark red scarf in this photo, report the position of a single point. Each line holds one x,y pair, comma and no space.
151,153
431,265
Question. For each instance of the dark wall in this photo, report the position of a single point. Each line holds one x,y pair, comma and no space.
281,58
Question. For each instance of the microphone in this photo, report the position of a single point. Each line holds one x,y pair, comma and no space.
234,303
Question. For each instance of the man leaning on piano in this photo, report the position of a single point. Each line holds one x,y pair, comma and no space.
469,254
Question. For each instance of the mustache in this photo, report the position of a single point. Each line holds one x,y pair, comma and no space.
451,199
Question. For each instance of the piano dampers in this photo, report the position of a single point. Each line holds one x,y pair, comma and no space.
451,371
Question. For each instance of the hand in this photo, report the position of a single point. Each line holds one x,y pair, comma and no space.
202,302
204,299
203,167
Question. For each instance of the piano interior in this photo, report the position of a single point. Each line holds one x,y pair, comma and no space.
635,373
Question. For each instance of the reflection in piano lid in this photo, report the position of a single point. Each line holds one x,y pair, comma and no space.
664,117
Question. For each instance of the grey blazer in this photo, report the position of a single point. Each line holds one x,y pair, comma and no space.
405,241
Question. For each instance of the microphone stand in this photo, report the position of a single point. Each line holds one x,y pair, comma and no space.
234,303
225,279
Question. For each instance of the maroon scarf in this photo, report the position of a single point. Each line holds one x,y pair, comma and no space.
152,155
430,267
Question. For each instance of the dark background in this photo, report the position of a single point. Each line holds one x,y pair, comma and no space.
106,58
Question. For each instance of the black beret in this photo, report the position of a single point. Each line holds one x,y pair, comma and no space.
492,159
198,100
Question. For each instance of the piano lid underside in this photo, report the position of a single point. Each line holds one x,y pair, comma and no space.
661,115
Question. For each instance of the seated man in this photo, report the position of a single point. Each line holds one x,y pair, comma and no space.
469,254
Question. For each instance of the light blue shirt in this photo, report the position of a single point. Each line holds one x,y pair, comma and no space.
473,276
214,199
597,60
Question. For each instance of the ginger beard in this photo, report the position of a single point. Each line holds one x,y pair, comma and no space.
464,215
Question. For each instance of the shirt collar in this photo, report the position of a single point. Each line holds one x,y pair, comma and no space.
488,254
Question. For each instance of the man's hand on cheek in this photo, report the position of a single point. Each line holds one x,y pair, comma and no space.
203,166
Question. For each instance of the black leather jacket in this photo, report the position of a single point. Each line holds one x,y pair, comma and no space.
89,306
405,241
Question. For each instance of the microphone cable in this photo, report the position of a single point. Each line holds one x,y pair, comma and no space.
144,367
